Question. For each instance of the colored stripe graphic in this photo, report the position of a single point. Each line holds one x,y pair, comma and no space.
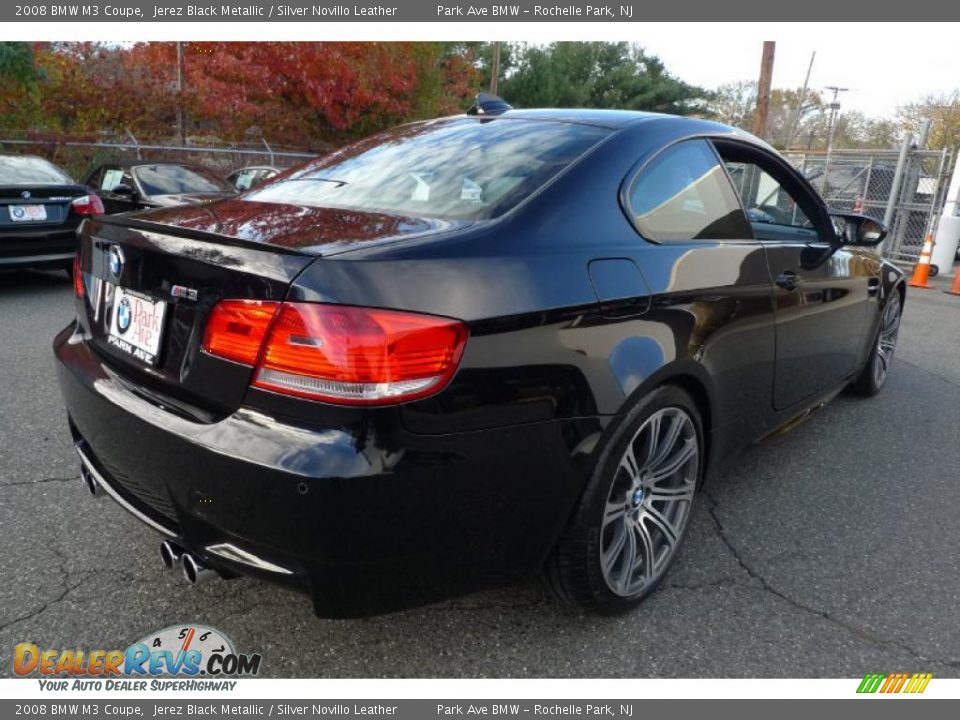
894,683
870,683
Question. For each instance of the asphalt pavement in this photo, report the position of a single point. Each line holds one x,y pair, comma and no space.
830,551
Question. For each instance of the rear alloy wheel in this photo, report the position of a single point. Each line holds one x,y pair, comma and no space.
636,508
874,374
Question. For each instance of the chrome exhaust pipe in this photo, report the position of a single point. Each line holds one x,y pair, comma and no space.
93,487
195,570
170,554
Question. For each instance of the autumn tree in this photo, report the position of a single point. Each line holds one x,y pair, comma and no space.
296,94
734,103
943,112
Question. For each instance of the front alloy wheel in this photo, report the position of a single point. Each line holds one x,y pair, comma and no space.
874,374
886,340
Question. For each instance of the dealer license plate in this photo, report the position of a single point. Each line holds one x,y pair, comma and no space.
136,325
28,213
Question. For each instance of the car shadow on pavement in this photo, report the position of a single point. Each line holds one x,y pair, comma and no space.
21,281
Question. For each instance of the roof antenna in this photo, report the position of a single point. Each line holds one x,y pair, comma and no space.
489,104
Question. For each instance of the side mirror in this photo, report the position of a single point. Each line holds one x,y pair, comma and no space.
125,190
855,229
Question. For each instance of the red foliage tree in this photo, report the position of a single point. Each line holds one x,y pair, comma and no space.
290,93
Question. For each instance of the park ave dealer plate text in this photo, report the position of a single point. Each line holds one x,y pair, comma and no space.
136,325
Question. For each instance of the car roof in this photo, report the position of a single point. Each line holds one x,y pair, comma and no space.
679,125
28,157
586,116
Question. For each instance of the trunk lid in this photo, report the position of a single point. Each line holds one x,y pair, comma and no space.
18,205
170,280
183,260
314,230
186,198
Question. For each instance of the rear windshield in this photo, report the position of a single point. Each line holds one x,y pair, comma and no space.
453,169
31,171
177,179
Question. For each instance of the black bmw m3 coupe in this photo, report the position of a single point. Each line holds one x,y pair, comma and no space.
466,351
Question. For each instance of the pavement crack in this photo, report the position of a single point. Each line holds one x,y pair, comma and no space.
767,587
66,587
949,381
722,582
72,478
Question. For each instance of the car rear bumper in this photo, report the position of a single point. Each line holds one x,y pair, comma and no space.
21,248
365,519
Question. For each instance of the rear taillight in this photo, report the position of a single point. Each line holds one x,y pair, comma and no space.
236,328
78,287
340,354
87,205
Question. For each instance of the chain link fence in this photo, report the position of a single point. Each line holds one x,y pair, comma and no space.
79,158
905,189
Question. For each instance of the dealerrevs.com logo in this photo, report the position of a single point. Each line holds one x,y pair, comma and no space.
177,651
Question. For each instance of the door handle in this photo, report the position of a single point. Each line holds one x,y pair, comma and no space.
788,280
873,285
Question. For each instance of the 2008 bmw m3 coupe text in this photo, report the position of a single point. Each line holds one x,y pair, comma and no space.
466,351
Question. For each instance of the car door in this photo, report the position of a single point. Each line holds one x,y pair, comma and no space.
820,289
709,281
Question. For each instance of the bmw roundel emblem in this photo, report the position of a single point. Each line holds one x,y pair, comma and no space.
124,315
25,194
117,260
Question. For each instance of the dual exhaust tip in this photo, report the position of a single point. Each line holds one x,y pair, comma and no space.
93,487
194,570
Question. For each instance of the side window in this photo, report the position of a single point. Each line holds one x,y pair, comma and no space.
764,199
93,180
684,194
244,179
111,178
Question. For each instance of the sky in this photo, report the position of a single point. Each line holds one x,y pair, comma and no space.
885,65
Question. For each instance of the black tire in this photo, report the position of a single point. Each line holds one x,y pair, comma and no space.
574,571
870,381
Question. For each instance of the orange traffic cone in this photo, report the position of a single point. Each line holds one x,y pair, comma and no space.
921,271
955,287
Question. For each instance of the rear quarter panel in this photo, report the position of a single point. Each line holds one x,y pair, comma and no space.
540,348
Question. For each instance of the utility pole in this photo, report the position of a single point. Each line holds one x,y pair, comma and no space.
181,119
834,111
763,89
495,69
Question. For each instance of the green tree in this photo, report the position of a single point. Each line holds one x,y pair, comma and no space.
856,130
16,63
19,87
594,75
